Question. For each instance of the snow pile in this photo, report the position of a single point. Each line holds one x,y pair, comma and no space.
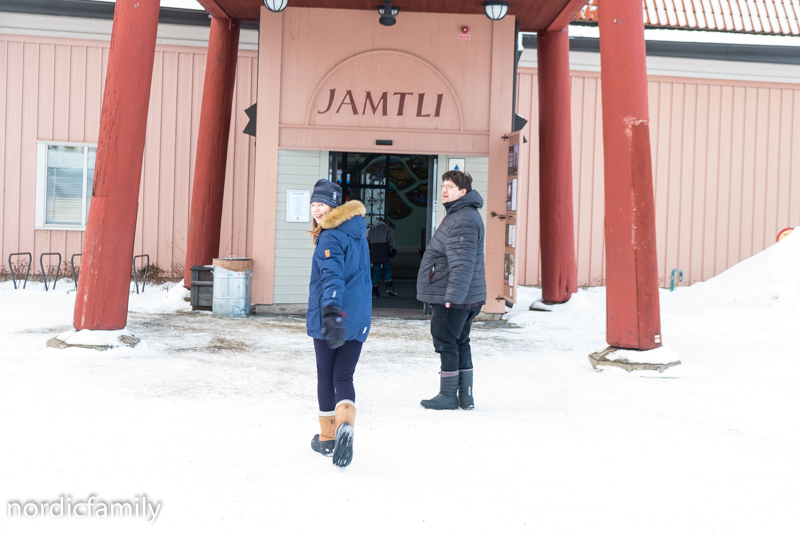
160,298
662,355
763,290
88,337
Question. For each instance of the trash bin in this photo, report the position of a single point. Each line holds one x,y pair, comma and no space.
231,294
202,287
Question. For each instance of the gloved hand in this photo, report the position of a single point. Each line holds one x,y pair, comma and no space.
333,328
392,252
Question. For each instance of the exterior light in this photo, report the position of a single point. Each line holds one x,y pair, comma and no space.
276,6
388,13
495,9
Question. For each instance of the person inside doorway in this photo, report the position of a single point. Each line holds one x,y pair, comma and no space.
339,313
381,249
451,280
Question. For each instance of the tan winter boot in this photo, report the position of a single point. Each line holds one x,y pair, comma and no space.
324,441
345,420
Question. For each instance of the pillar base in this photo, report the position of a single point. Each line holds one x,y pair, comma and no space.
94,340
619,358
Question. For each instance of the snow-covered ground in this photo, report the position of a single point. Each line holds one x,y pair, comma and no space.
212,417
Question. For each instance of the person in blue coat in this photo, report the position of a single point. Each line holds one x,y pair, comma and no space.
339,313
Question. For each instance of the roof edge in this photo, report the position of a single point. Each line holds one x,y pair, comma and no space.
786,55
103,10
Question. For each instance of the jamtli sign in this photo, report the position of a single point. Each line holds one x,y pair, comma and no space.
349,104
387,90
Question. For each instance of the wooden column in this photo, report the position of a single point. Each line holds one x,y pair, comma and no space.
265,185
557,235
102,298
633,317
205,216
501,96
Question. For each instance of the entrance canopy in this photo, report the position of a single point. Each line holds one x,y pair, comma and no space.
532,15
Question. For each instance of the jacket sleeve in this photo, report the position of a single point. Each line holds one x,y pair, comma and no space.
329,255
390,237
461,250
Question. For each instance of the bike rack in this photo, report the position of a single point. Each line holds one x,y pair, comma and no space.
75,273
672,278
146,269
46,275
28,271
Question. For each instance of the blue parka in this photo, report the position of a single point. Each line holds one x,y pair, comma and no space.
340,272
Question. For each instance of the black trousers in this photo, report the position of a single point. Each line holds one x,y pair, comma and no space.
335,370
450,331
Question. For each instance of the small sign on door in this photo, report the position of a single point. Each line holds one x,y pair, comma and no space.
456,163
298,205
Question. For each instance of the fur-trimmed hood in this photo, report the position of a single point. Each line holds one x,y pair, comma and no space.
341,218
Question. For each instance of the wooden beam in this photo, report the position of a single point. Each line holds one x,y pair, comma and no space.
212,145
633,315
567,14
556,223
214,8
102,298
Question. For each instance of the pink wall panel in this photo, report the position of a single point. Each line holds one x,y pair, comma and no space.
13,145
251,162
3,105
51,89
183,156
726,176
27,176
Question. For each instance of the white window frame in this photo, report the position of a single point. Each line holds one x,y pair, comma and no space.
41,185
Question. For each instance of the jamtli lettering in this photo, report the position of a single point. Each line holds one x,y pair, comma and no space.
348,102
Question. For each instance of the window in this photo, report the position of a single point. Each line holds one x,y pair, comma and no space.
64,176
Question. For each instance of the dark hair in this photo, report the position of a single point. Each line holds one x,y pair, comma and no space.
462,180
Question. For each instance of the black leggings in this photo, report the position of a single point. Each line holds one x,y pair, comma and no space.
335,370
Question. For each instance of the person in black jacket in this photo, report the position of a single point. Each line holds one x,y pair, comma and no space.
452,281
381,249
339,313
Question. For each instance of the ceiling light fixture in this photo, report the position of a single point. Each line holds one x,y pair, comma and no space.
388,13
495,9
276,6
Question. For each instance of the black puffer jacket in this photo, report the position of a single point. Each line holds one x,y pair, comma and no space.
452,269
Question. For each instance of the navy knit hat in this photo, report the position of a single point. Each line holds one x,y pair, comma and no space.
328,193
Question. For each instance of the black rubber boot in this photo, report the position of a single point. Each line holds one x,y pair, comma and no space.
343,452
446,399
325,447
465,400
390,289
375,292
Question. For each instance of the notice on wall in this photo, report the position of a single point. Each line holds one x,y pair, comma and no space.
508,270
511,195
456,163
297,206
511,235
513,159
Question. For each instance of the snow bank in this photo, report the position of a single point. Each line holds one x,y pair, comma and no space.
764,288
30,307
88,337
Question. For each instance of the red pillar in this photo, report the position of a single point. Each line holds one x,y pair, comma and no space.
633,317
102,298
559,270
205,217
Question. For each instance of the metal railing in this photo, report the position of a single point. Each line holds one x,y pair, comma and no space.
146,269
46,275
75,271
28,271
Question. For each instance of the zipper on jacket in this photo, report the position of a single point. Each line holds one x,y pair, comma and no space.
430,278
